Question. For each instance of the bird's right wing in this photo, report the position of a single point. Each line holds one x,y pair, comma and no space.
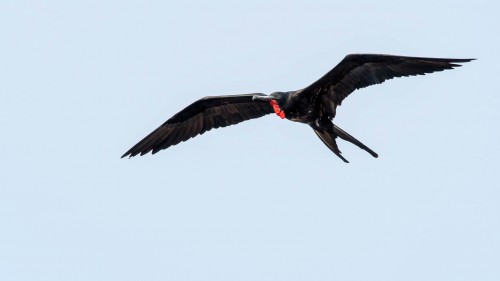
201,116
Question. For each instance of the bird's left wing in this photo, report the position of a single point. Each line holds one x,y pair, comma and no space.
201,116
362,70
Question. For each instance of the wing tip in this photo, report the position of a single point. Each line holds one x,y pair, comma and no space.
129,153
134,152
458,62
373,55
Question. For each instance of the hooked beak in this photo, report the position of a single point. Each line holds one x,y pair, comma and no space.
263,98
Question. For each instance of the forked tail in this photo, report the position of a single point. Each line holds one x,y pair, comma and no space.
330,132
345,136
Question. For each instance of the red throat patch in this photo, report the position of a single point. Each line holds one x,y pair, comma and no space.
277,109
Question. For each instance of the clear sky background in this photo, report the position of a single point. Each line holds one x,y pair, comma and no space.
83,81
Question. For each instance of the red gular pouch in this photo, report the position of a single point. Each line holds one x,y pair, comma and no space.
277,109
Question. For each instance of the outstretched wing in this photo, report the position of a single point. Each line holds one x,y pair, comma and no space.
362,70
201,116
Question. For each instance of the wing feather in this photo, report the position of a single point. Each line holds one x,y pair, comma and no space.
201,116
357,71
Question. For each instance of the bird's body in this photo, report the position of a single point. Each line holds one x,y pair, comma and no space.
314,105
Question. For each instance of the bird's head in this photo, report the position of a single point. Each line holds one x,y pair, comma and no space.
277,100
279,97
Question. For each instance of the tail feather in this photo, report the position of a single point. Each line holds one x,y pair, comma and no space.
345,136
329,140
328,132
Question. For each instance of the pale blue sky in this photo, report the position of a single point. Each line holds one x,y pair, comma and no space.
81,82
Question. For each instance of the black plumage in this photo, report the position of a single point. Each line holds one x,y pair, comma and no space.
314,105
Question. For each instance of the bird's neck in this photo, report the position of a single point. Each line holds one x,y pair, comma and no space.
277,109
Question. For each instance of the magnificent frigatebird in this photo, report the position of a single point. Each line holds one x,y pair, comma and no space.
314,105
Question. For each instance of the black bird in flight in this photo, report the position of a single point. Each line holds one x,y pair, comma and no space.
314,105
